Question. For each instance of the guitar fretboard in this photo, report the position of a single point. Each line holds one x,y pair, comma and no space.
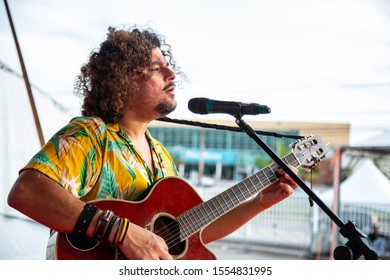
200,216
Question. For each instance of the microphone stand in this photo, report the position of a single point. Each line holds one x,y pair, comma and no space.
355,247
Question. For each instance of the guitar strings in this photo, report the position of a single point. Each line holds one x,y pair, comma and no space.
172,237
175,235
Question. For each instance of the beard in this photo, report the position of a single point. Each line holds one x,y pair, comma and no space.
165,107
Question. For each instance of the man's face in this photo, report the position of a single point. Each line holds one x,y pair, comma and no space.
156,90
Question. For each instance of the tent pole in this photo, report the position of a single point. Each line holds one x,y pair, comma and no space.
336,161
26,80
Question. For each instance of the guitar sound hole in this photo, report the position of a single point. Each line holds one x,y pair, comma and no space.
81,242
169,230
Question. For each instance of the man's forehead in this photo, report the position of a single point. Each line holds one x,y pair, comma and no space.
158,57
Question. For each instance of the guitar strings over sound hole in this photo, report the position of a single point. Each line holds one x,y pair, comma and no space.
168,228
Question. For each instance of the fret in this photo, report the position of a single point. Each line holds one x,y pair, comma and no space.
292,160
210,209
240,196
266,174
233,197
230,198
211,201
229,202
245,187
247,182
252,191
213,209
263,181
287,161
271,173
251,180
202,218
225,201
199,217
223,198
243,194
183,222
192,218
197,223
207,212
220,208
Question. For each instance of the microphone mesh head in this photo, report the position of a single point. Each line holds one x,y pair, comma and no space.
198,105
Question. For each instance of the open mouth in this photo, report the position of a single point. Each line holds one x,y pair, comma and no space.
169,88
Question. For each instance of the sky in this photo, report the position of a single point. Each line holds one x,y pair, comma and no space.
308,60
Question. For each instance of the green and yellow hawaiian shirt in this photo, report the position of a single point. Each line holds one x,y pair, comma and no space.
95,160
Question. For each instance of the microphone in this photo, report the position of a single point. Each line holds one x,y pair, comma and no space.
205,106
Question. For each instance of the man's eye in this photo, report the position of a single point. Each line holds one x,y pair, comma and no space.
155,69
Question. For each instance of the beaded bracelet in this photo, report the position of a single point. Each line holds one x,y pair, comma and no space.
85,218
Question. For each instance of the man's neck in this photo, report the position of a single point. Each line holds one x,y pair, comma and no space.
135,129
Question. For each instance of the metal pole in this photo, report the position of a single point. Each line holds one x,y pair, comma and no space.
26,80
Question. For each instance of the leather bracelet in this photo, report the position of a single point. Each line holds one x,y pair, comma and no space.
124,229
85,218
109,227
118,229
102,224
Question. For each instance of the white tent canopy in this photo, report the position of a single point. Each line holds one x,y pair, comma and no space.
367,185
21,238
380,140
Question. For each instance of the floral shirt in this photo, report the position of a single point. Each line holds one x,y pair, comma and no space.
95,160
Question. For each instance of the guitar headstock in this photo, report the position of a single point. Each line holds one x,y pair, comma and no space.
309,151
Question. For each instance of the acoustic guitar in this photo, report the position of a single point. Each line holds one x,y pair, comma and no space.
174,210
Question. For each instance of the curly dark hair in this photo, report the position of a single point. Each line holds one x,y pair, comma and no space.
104,80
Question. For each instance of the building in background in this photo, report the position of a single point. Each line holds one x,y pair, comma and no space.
206,156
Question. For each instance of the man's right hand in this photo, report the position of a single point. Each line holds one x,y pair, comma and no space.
142,244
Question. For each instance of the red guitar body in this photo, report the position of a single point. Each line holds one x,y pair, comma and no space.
169,198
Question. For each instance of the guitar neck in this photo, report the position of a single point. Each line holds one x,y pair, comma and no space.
200,216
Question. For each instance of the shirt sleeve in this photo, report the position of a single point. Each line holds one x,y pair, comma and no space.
71,158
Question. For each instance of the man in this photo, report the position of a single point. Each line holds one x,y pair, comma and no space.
379,241
109,154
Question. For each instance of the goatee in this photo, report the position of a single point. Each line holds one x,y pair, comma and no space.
164,108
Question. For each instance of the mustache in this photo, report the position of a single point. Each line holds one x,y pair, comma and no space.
171,84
